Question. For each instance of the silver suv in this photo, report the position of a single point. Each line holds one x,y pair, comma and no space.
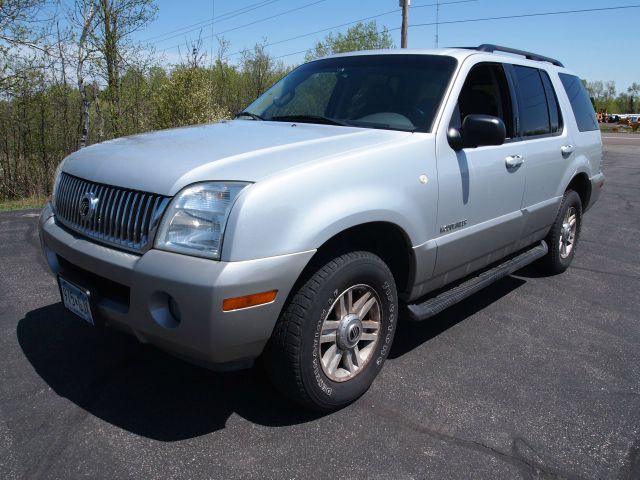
358,190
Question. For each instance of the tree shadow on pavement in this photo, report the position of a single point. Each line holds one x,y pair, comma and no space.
150,393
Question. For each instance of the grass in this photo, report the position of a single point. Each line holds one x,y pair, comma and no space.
22,204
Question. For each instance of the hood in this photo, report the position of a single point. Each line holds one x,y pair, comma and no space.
166,161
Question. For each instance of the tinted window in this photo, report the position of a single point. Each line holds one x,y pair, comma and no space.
580,103
485,91
532,102
397,92
314,95
555,116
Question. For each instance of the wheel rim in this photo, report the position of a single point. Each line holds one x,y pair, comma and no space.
568,234
350,333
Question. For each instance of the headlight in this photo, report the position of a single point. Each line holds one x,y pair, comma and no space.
56,182
195,220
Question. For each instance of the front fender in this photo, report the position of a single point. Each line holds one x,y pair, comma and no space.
300,209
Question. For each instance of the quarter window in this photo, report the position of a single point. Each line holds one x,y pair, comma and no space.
580,103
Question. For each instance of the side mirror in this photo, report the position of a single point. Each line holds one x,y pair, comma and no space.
477,131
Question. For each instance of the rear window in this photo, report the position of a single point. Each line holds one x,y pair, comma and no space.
580,103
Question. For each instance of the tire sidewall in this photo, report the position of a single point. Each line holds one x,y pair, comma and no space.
321,388
572,199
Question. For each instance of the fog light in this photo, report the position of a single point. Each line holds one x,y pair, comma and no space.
164,310
174,309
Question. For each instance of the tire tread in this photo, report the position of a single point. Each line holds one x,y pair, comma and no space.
283,352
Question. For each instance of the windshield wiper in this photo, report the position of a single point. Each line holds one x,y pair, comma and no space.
308,119
248,114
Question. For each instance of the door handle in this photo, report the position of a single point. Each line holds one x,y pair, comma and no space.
514,161
567,149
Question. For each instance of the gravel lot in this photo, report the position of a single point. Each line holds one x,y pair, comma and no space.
533,378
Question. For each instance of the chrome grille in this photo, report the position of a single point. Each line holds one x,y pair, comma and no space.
121,217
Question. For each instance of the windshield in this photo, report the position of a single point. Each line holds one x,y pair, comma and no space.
395,92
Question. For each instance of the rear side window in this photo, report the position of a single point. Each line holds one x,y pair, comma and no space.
532,102
580,103
555,116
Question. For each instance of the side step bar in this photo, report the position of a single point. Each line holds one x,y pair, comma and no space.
441,301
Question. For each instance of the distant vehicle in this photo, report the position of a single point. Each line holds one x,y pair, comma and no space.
358,183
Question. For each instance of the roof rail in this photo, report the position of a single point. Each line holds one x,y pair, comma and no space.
487,47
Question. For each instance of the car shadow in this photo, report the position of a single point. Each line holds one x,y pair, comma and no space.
532,271
155,395
140,388
411,335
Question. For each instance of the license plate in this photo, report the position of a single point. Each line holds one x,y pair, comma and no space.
76,299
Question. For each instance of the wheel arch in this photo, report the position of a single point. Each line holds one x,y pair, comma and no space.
581,184
385,239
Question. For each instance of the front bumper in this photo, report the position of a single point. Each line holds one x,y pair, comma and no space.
132,292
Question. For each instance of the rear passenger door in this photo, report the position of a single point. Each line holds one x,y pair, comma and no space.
540,131
586,136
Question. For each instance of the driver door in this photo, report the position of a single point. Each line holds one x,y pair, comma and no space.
480,195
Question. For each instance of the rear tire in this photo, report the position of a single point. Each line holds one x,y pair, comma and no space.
335,333
563,237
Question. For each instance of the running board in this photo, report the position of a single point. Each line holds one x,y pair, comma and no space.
436,304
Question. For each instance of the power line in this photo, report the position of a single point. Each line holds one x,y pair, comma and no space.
450,22
286,12
209,21
297,37
290,54
504,17
524,15
334,27
264,3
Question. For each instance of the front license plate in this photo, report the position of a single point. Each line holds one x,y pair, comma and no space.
76,299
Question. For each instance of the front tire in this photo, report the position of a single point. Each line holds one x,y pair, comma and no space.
563,237
335,333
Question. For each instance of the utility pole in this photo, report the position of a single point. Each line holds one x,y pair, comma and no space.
437,20
405,23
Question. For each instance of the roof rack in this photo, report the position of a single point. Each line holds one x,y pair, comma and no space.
487,47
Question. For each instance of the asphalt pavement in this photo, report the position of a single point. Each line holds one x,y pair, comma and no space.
535,377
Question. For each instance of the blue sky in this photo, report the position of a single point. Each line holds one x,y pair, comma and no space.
597,45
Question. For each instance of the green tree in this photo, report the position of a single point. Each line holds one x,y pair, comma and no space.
20,37
633,91
259,71
117,21
362,36
622,104
185,99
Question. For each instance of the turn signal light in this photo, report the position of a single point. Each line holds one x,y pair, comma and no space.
248,301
